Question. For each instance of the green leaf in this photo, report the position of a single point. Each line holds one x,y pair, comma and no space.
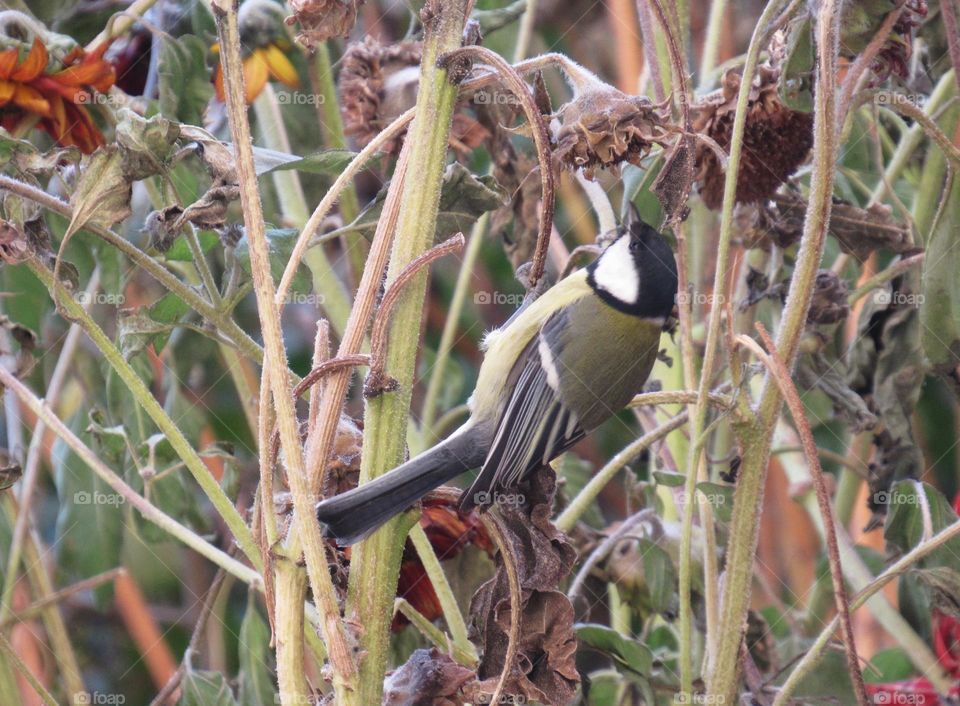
181,252
183,83
280,243
492,20
669,479
205,689
603,689
167,485
256,680
464,197
330,161
11,147
89,529
944,583
905,521
720,497
660,576
940,306
888,665
626,653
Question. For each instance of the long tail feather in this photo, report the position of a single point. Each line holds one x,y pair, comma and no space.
353,515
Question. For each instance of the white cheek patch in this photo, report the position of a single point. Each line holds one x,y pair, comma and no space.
615,272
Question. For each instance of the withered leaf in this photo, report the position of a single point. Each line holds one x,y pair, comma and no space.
162,228
675,180
209,212
887,369
146,143
545,668
320,20
820,371
14,246
102,193
428,678
216,155
858,231
829,303
27,342
10,470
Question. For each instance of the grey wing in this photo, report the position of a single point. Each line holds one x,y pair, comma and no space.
536,426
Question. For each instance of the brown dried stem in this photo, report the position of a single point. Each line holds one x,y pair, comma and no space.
541,138
778,370
377,382
492,525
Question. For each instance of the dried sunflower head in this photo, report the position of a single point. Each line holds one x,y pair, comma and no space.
320,20
377,83
602,127
776,139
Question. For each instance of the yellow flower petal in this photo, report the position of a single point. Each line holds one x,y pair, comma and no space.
281,68
255,75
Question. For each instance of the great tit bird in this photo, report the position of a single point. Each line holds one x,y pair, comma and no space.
557,370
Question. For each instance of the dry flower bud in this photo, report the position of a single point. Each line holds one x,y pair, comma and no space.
602,127
320,20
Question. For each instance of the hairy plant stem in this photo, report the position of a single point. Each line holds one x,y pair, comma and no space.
908,143
7,650
375,561
341,661
789,392
438,579
720,279
756,438
148,402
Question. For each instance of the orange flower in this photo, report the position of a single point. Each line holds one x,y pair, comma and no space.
55,100
260,65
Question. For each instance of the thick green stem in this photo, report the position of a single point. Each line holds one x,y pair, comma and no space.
429,411
720,288
438,579
375,562
723,678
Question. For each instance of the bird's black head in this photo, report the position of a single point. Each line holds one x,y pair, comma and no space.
637,273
